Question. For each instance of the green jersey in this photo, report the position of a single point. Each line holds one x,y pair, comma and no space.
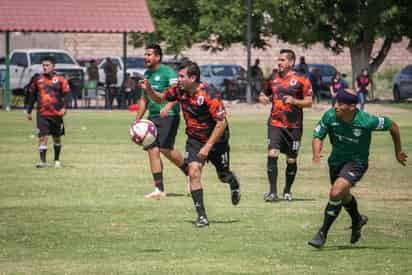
350,141
160,80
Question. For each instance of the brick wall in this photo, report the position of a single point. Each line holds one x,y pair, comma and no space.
85,45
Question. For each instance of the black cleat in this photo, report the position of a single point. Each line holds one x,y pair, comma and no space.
270,197
356,229
202,221
318,241
235,196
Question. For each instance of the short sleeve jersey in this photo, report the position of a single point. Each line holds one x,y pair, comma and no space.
363,81
339,86
287,115
200,110
350,141
160,80
49,92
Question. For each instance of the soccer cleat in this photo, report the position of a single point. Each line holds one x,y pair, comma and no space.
287,196
41,164
270,197
318,240
356,229
235,196
57,164
157,195
202,221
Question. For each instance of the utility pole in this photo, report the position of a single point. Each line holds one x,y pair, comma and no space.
249,42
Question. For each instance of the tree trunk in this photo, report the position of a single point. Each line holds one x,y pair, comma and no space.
360,55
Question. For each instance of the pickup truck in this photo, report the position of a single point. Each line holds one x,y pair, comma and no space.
135,67
25,63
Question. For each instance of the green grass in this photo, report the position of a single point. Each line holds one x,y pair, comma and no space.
91,218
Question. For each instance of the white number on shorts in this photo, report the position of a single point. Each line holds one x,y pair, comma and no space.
225,158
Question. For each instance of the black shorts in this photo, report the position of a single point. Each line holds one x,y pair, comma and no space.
219,155
351,171
50,125
286,140
166,132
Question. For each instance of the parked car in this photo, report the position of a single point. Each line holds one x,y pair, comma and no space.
135,67
25,63
227,78
402,84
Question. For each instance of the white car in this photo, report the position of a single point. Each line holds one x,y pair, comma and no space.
25,63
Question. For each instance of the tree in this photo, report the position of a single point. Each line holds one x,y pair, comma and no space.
337,24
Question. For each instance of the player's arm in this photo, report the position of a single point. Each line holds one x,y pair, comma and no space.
66,94
264,95
400,155
306,102
317,145
214,137
153,94
164,112
32,96
142,106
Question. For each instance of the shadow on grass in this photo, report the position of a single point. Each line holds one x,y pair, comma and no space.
176,195
153,250
355,247
215,222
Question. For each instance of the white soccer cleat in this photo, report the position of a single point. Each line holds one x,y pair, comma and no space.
57,164
287,196
41,164
156,195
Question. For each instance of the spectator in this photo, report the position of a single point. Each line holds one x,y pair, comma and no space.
302,66
110,70
93,72
257,78
316,81
129,90
337,86
363,85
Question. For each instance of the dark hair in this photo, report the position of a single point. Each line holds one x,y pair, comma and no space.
156,49
49,58
192,69
336,74
290,54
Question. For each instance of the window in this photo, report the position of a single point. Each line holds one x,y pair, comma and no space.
204,72
135,62
19,59
61,58
223,70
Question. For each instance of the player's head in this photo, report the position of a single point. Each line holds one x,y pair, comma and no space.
286,60
188,75
346,101
153,56
48,63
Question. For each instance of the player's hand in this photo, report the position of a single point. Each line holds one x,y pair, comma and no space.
288,99
402,157
164,112
29,117
204,151
263,99
145,84
62,112
316,159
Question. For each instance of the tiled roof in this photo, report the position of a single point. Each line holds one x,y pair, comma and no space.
75,16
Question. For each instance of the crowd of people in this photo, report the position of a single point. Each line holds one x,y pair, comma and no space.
166,94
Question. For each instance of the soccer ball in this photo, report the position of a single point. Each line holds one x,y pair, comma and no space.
143,132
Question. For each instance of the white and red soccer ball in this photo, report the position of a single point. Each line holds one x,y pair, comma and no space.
143,132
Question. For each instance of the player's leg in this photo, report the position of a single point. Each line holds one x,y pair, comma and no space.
274,141
292,139
219,156
195,166
57,130
43,129
156,168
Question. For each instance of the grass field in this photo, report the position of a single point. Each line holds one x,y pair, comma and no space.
90,217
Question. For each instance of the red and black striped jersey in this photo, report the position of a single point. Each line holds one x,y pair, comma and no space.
201,110
48,91
287,115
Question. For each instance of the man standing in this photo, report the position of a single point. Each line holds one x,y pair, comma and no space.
48,90
160,77
206,129
110,70
349,132
290,93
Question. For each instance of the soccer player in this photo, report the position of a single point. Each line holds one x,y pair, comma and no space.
290,91
206,129
349,132
160,77
48,90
